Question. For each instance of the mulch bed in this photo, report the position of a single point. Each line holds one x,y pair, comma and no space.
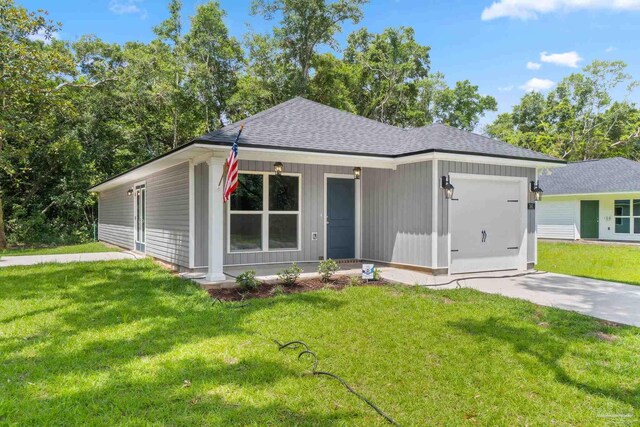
267,290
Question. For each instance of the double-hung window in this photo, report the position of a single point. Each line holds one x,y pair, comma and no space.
627,216
264,213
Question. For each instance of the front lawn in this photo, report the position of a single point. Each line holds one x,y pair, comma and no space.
618,263
125,342
62,250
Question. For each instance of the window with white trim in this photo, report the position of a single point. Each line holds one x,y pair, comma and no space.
627,216
264,213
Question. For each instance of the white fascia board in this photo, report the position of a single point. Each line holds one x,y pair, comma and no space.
307,157
201,152
470,158
175,158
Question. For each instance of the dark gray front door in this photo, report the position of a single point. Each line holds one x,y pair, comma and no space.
341,218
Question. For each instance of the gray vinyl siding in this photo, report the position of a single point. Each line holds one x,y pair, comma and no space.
396,214
312,202
115,217
201,223
446,167
168,215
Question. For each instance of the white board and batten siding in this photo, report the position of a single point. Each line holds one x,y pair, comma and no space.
167,227
396,214
557,219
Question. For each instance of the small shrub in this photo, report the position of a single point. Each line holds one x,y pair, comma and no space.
290,275
376,274
327,268
247,280
277,290
354,281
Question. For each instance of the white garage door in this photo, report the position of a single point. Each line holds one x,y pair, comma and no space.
487,224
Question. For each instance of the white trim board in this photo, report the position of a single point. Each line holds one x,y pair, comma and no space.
358,212
199,151
265,212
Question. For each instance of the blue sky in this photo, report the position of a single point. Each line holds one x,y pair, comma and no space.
489,42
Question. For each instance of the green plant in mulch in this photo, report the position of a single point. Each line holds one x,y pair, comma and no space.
247,280
354,281
376,274
290,275
327,268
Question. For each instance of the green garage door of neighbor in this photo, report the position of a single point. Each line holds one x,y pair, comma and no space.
589,222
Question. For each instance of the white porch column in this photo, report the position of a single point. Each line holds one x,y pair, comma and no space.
216,212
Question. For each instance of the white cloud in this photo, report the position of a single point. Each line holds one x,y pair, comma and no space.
506,88
127,7
531,9
567,59
533,65
41,36
537,85
610,49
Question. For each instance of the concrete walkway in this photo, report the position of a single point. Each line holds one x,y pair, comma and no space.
11,261
611,301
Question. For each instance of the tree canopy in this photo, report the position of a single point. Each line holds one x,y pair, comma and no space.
74,113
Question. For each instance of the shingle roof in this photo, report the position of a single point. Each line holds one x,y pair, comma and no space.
612,175
300,124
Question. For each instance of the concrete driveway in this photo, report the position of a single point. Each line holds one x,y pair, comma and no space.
10,261
611,301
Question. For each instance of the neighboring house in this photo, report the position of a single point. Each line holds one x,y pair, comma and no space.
396,212
596,199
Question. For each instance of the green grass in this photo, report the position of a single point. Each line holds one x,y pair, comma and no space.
618,263
62,250
113,343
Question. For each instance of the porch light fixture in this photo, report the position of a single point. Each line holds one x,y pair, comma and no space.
278,168
357,172
447,188
130,192
536,190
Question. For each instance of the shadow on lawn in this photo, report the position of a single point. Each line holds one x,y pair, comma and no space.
547,347
103,317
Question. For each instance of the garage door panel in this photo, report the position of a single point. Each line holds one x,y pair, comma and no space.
486,225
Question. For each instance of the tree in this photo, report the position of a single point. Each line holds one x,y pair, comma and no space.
215,60
391,66
579,119
304,26
170,32
29,89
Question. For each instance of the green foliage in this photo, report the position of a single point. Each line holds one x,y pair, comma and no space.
354,281
578,120
289,275
376,274
327,268
247,280
277,291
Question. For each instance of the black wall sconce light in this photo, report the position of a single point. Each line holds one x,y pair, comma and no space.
447,187
357,172
536,190
278,168
130,192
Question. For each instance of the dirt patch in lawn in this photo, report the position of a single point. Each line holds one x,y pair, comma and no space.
266,290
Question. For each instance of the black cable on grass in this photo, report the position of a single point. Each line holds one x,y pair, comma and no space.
457,281
314,371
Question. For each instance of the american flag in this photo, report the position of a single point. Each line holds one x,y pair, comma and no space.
231,181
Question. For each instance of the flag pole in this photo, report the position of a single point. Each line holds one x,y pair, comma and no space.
225,169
